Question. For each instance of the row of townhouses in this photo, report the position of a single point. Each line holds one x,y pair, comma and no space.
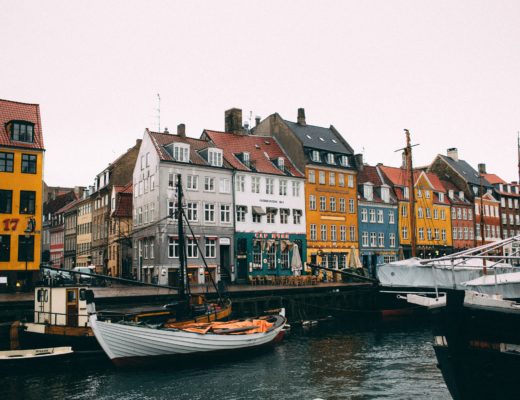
264,200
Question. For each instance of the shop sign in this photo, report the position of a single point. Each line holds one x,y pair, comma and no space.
224,241
271,236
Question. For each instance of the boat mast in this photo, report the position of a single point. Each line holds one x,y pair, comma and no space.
409,167
481,209
183,284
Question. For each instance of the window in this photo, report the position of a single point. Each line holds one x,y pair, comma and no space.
257,218
215,157
436,233
22,131
342,206
172,210
352,233
350,181
372,213
321,177
373,240
420,213
312,176
295,189
283,187
323,203
225,213
428,212
240,183
297,216
364,239
271,257
5,247
364,215
284,215
323,232
257,254
192,182
406,193
341,180
284,258
192,251
171,181
404,232
6,162
332,202
391,217
27,202
330,158
392,239
441,197
385,194
241,213
269,186
343,233
333,234
419,193
312,202
313,231
332,179
246,159
427,194
271,214
421,233
181,152
464,213
429,233
280,162
25,248
6,201
435,213
209,184
343,160
224,185
315,156
211,248
380,217
381,239
193,211
255,184
209,212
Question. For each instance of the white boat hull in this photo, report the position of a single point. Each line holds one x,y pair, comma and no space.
125,343
505,285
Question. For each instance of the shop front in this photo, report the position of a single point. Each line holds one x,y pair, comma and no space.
269,254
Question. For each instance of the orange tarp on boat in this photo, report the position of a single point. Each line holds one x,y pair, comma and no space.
231,328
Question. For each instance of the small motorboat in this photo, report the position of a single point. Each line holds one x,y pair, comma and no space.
15,358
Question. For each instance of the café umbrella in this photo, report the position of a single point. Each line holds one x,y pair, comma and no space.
296,261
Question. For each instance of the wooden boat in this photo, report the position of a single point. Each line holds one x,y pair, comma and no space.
15,358
126,343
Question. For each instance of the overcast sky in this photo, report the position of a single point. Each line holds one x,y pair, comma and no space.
449,71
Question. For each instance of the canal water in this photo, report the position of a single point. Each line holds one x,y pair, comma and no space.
390,360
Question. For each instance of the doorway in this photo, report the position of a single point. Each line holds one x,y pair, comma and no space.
72,307
225,267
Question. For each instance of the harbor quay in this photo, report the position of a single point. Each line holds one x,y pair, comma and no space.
300,302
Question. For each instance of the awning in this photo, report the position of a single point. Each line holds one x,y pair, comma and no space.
272,210
258,210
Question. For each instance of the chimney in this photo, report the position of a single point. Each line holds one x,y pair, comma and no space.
359,161
482,168
301,117
233,120
453,154
257,120
166,130
181,130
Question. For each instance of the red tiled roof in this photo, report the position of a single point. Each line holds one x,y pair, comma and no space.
493,179
369,174
68,206
129,188
456,199
12,110
52,206
262,150
123,205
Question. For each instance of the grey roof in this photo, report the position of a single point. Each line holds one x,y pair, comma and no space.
320,138
466,171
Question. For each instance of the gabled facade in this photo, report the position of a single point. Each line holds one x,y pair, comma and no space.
377,218
21,184
487,219
269,205
70,216
462,221
118,173
330,187
120,231
208,195
432,213
84,232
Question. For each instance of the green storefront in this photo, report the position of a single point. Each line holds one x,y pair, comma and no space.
269,254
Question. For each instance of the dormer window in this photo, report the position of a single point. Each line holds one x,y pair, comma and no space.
461,195
501,187
385,194
406,193
368,192
343,160
451,194
441,197
315,156
246,160
330,158
22,131
181,152
281,163
215,157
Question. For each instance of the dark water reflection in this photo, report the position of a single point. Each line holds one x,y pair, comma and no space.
379,361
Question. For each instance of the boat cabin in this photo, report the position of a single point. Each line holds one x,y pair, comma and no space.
61,306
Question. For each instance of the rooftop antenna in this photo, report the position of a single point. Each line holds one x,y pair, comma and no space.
158,112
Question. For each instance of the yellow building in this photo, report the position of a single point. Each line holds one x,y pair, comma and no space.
21,184
432,213
84,233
